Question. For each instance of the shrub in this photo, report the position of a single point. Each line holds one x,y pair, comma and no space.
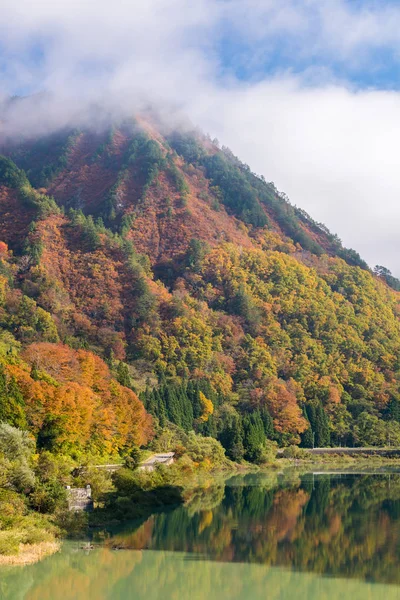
294,452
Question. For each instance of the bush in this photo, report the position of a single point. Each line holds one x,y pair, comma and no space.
9,542
14,443
294,452
22,478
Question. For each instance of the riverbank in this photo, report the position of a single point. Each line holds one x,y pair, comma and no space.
134,496
355,460
29,554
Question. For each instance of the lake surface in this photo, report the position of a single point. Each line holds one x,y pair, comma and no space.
266,536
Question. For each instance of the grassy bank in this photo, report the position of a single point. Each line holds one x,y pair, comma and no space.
25,535
360,462
28,554
32,523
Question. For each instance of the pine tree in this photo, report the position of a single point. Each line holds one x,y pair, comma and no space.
231,439
254,436
393,410
319,424
161,409
35,372
123,376
268,423
186,409
307,437
209,428
193,392
173,406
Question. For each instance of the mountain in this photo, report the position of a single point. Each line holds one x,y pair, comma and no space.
206,292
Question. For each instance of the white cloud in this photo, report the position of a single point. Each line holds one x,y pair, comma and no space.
331,148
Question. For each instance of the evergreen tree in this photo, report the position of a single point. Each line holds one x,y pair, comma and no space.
91,237
161,409
319,424
35,372
209,428
322,433
254,436
186,409
123,376
50,432
193,392
393,410
173,406
268,423
231,435
307,437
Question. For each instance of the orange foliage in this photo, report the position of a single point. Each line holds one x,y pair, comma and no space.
281,401
75,388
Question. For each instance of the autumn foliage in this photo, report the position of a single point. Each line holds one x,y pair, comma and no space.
229,310
72,401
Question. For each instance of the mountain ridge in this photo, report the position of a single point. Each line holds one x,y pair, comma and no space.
169,258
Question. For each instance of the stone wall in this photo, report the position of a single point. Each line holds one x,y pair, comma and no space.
80,499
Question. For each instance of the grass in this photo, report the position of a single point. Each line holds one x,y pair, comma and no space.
28,554
360,463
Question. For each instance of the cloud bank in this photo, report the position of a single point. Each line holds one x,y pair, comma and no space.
287,85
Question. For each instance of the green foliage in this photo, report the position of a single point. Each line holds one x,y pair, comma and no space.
26,320
307,437
236,191
269,340
11,402
294,452
172,403
15,444
16,447
387,276
319,424
254,436
46,157
133,458
123,376
89,229
369,430
10,175
196,252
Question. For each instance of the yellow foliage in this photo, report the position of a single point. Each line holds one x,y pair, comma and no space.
207,406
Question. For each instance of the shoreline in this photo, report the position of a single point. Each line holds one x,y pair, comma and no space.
30,554
316,464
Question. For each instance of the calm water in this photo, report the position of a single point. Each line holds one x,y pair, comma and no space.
252,537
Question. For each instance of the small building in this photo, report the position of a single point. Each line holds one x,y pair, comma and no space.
79,499
166,458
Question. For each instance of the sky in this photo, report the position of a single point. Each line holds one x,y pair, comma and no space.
307,92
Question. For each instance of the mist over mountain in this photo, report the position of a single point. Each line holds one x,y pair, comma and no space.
224,307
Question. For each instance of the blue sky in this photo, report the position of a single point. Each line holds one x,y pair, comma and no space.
353,41
307,92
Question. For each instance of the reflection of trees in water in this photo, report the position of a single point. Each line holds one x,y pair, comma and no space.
348,526
69,576
205,498
105,574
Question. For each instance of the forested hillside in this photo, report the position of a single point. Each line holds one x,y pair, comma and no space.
139,263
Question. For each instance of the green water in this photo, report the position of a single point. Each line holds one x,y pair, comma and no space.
252,537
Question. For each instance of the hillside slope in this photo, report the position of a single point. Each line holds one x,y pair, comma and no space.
229,310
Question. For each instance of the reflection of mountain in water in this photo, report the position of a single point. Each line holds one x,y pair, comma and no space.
348,526
229,541
149,575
